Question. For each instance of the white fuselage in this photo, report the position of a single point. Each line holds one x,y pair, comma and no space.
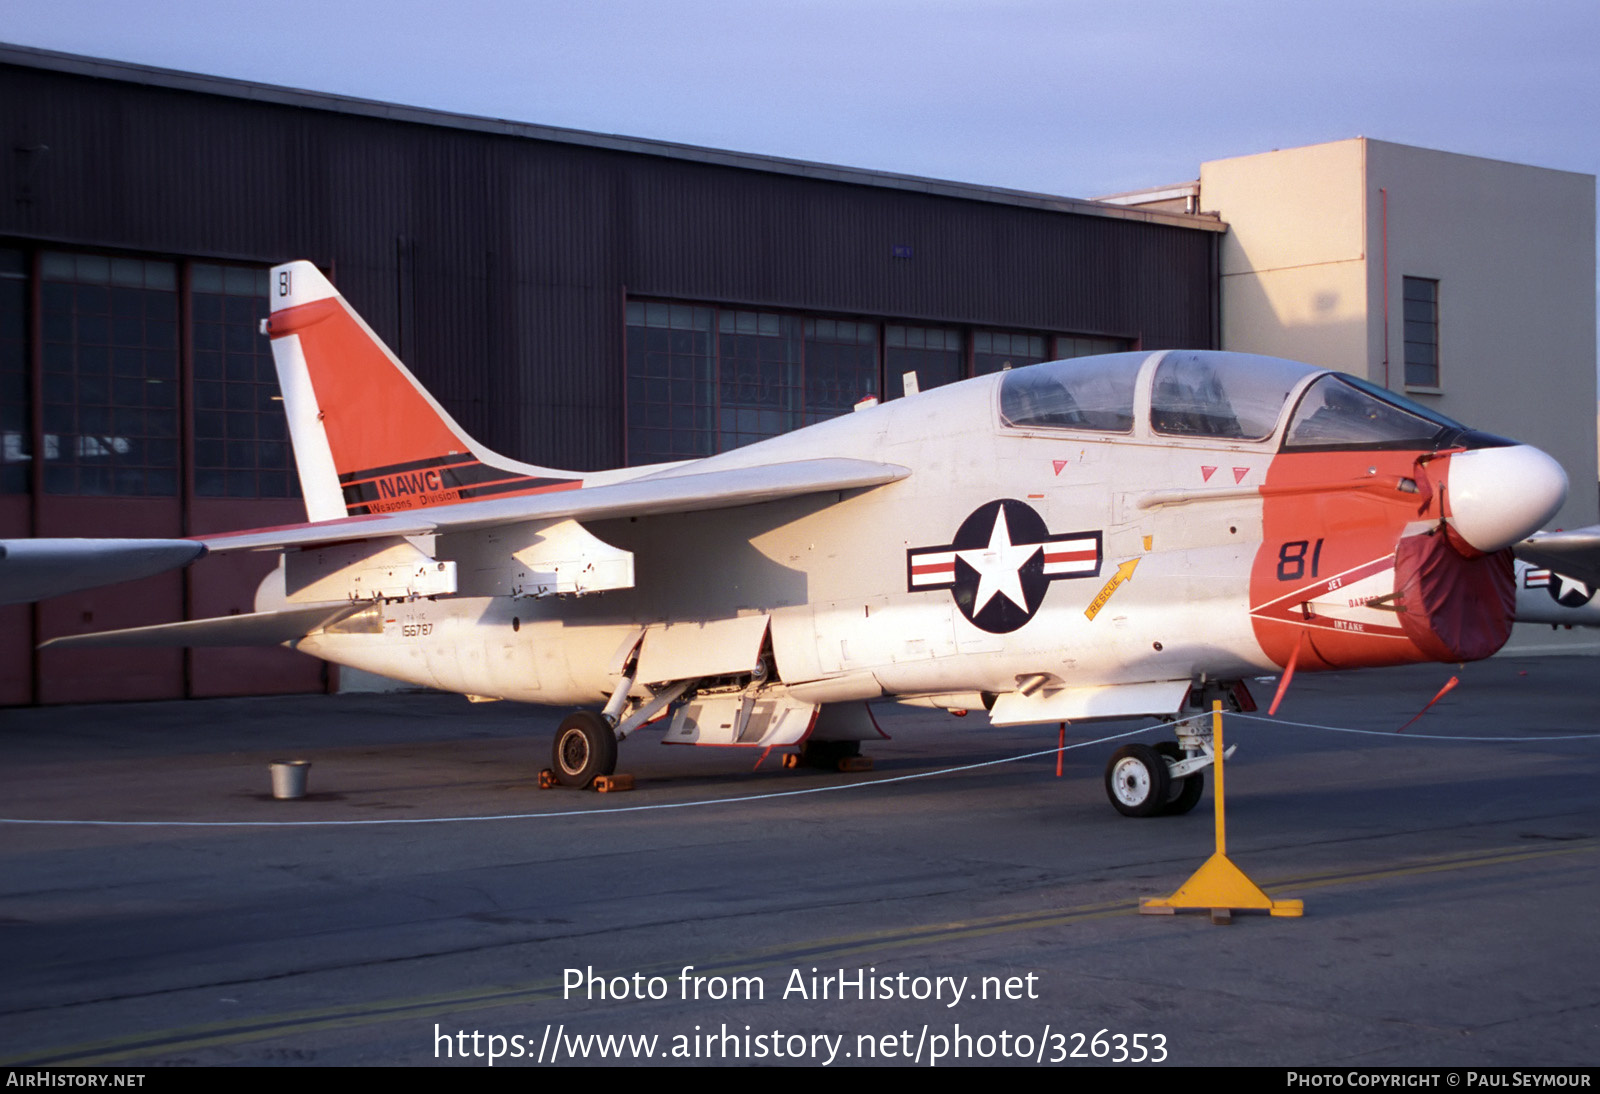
831,572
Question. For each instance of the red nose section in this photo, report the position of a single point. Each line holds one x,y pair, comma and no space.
1359,567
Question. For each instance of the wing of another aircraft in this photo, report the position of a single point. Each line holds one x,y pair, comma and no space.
36,569
1575,553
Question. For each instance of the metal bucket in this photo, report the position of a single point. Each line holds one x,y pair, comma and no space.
289,779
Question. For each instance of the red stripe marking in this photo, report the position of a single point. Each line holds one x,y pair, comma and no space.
1071,556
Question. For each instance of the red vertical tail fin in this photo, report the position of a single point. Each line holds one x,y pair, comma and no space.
368,438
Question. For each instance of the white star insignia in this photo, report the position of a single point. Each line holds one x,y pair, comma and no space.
999,565
1570,583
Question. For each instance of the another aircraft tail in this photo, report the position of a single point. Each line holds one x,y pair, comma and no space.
367,437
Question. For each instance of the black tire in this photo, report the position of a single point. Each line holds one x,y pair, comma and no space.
827,754
584,748
1137,781
1183,794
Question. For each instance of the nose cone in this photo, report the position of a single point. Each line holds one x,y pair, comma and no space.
1501,495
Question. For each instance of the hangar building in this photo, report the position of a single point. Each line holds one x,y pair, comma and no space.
573,299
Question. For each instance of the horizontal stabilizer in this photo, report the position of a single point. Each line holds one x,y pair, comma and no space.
35,569
652,495
255,629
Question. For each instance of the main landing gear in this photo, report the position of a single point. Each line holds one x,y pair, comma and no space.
1140,781
585,748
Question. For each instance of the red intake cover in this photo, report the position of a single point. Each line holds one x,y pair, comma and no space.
1453,608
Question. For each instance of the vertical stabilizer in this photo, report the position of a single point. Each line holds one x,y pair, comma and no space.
367,437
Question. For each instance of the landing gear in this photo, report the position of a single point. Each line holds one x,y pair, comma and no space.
827,755
585,747
1137,781
1184,793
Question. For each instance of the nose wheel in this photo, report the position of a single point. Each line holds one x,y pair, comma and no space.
1139,781
584,749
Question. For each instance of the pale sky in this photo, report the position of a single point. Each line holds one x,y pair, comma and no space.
1063,97
1066,97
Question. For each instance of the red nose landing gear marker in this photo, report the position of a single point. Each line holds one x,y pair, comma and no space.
1288,674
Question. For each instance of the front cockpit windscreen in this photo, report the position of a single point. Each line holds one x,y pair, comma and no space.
1094,393
1222,396
1340,411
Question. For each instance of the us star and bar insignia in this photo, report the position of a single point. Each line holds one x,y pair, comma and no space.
1001,562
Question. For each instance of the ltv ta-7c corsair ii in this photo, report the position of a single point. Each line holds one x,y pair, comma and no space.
1095,538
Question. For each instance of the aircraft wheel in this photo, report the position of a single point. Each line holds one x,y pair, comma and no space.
1137,781
828,754
585,747
1184,793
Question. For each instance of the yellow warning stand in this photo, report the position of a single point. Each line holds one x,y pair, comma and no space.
1219,885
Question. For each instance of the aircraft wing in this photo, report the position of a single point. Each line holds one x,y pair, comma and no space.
36,569
675,491
1575,553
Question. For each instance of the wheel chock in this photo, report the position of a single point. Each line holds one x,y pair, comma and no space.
855,763
791,760
547,780
612,784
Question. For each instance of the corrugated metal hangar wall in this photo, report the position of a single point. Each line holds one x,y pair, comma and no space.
519,271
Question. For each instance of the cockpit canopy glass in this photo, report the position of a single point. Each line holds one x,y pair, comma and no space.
1094,393
1227,396
1340,411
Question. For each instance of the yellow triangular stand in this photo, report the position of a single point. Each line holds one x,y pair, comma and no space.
1219,886
1223,888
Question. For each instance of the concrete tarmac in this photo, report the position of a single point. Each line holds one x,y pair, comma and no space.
1450,887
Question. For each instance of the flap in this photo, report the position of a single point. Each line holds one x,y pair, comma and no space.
1086,704
692,651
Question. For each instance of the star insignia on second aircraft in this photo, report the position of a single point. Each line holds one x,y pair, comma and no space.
1001,562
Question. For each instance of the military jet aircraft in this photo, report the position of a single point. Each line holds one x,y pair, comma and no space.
1550,596
1104,537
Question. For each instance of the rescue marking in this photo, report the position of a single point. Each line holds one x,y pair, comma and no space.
1124,573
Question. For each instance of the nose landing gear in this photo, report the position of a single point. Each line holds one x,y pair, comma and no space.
1140,781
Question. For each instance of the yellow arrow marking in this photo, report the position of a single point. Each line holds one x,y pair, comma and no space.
1124,573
